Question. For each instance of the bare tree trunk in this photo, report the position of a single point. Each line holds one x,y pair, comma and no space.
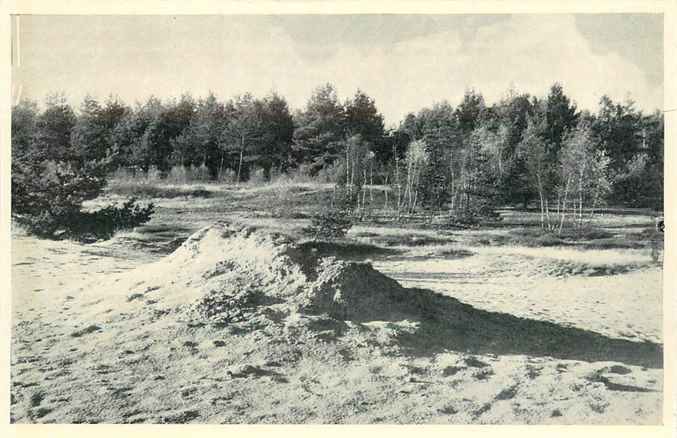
352,175
564,206
358,202
348,168
413,205
451,177
239,166
333,197
371,181
399,187
364,189
409,185
580,199
385,193
221,166
540,195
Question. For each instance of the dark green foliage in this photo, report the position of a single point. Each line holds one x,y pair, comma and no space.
469,111
320,130
150,190
334,221
103,223
635,145
476,156
363,119
62,163
93,134
331,224
87,226
278,130
48,175
167,125
560,116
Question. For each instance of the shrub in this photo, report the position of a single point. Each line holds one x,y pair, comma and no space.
178,175
301,174
330,225
257,177
200,173
533,237
481,212
227,176
58,164
332,173
88,226
586,232
334,221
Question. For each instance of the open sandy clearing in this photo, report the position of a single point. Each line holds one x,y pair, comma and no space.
245,326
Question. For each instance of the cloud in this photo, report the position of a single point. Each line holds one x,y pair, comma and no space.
136,56
528,52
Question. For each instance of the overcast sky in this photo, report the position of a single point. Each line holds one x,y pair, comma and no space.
405,62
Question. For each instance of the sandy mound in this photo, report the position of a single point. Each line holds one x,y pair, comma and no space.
226,273
238,275
245,325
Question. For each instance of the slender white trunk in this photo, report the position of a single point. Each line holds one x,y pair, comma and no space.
580,198
221,166
364,189
239,166
540,196
385,193
371,181
451,174
399,187
564,205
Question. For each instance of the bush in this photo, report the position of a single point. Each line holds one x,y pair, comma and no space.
331,225
88,226
533,237
332,173
334,221
146,191
257,177
178,175
58,167
227,176
301,174
586,232
474,217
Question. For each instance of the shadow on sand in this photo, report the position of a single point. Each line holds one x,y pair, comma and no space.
448,324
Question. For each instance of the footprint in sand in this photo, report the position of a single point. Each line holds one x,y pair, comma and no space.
483,374
181,417
40,412
448,410
121,392
37,398
85,331
244,371
473,362
507,393
451,371
128,415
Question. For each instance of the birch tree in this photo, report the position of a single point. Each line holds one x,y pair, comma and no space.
583,173
243,129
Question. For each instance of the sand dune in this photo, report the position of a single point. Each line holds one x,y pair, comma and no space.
245,325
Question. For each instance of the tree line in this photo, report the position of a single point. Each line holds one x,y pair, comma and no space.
522,150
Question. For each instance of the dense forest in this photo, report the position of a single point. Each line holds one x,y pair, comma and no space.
522,151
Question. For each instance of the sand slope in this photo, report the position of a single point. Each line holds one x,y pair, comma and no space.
243,325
